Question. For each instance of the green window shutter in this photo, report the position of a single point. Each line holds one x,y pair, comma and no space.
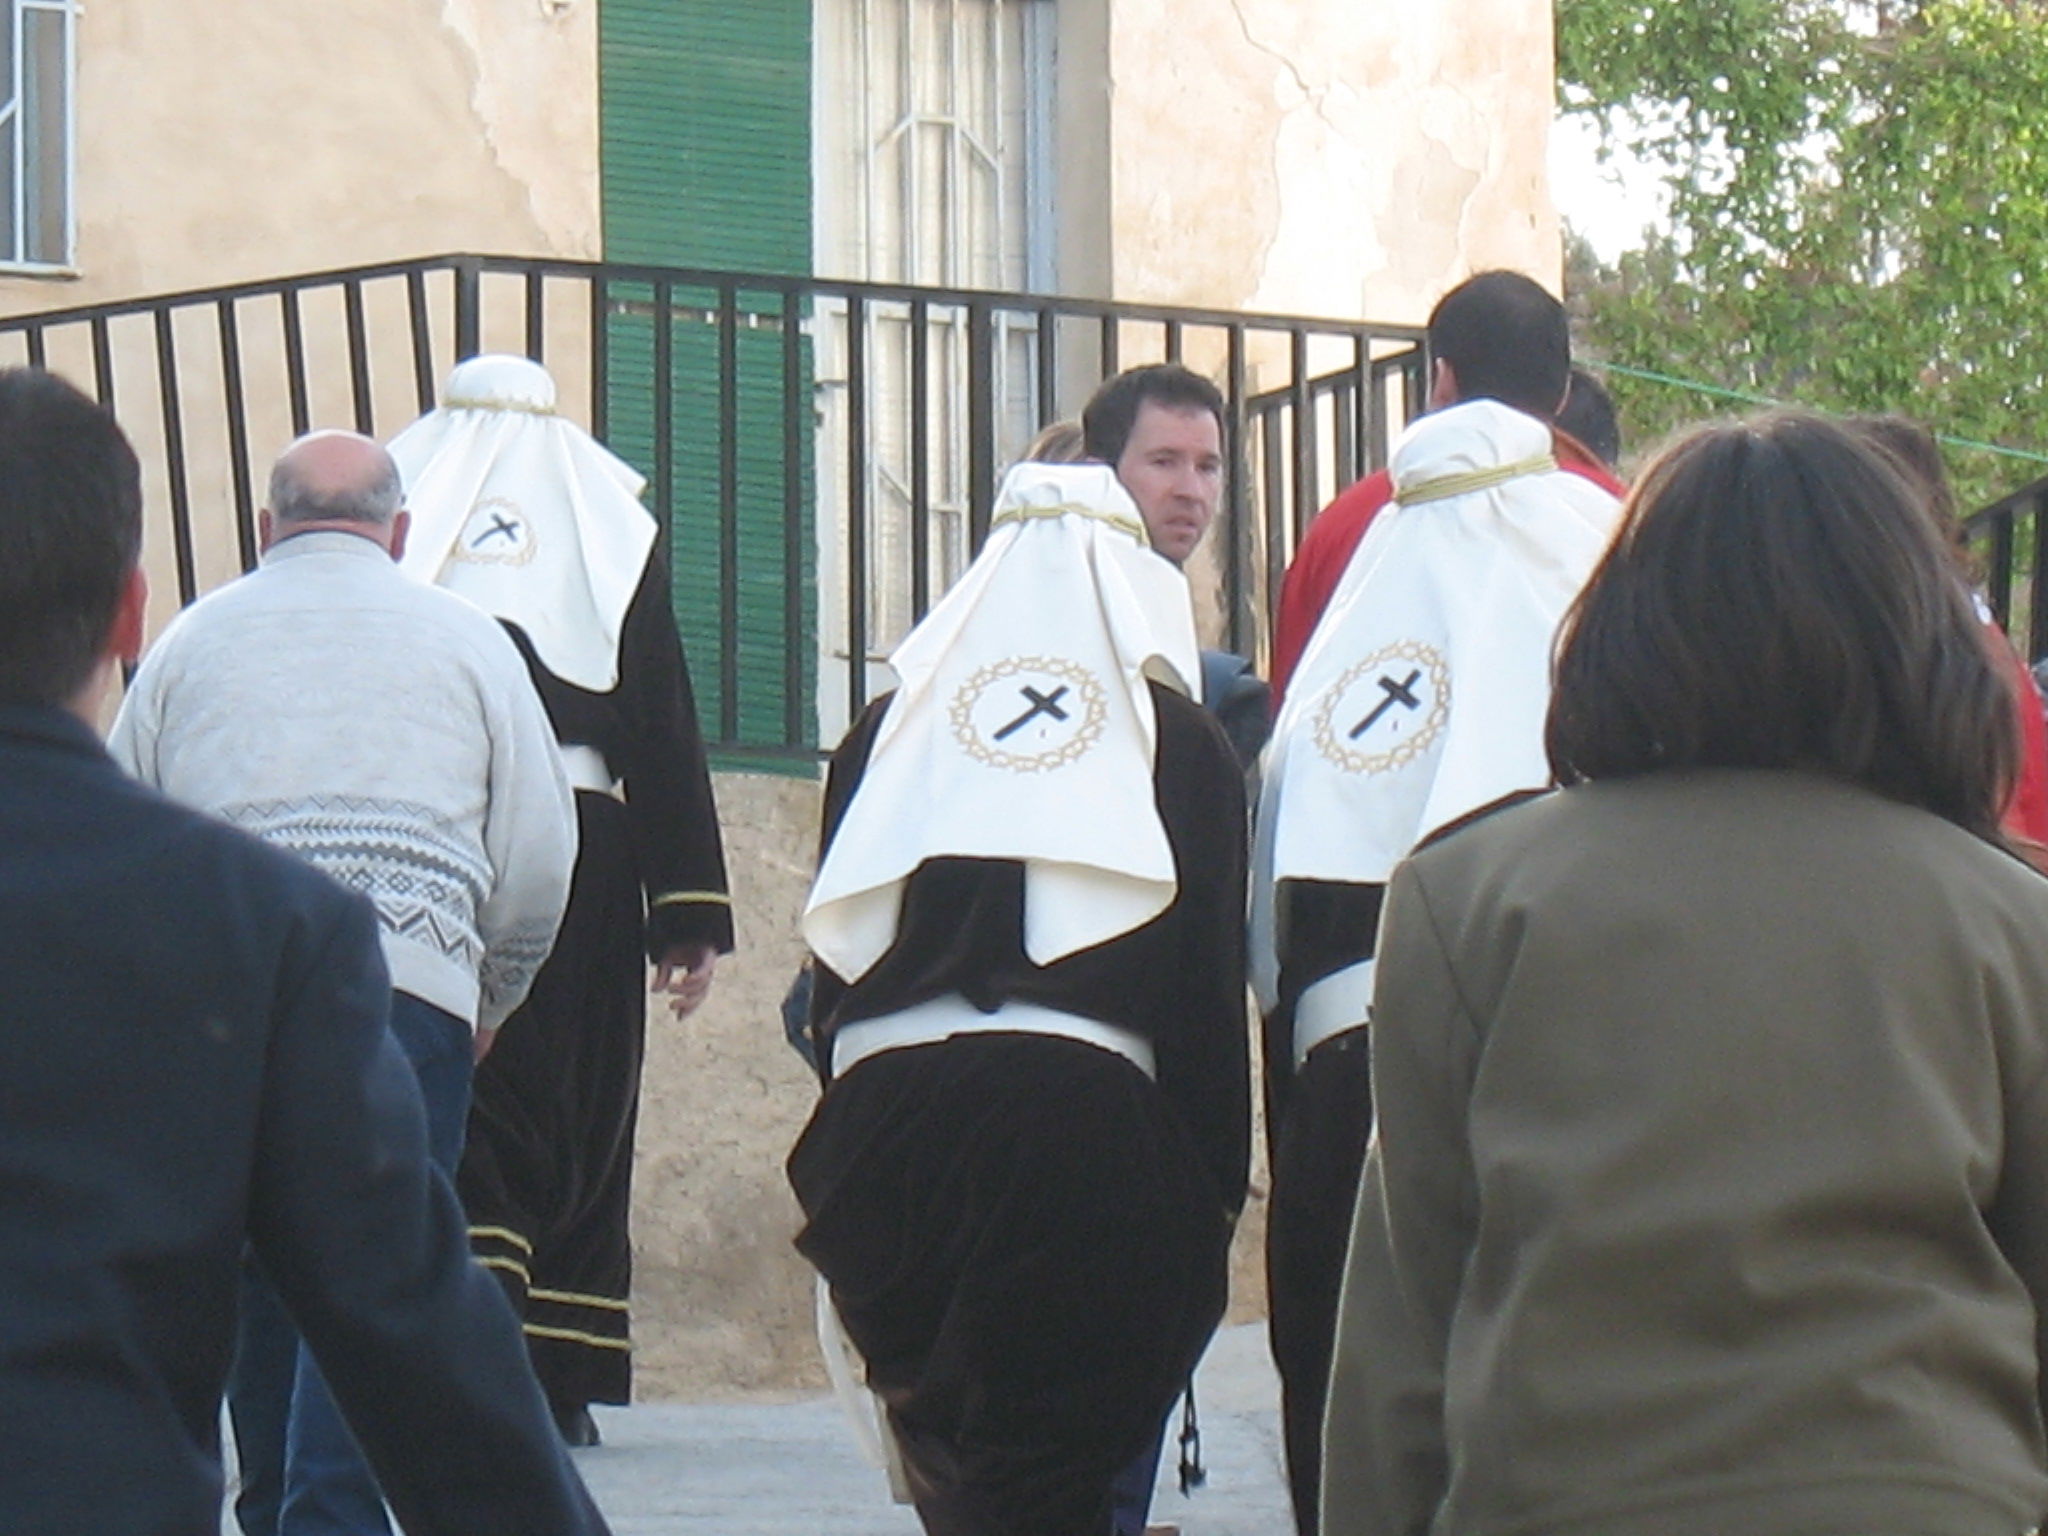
707,133
706,163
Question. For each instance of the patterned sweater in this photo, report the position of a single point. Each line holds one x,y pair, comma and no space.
384,730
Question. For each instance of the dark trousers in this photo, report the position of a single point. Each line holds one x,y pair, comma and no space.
1318,1154
301,1474
1130,1496
1025,1246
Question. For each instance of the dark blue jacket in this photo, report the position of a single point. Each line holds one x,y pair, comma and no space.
193,1057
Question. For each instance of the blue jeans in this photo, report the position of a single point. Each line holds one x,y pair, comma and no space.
300,1470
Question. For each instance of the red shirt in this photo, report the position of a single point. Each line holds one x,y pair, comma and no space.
2026,813
1332,539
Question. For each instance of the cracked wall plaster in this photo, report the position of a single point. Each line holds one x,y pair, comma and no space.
253,138
1328,158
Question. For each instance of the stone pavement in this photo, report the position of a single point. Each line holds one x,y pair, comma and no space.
792,1468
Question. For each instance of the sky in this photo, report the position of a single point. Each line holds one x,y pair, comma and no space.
1608,204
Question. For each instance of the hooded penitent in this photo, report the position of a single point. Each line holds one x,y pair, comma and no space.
526,515
1023,728
1422,693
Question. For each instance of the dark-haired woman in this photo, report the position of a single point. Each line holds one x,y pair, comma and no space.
1710,1192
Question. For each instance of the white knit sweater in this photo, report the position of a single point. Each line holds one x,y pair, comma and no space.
386,731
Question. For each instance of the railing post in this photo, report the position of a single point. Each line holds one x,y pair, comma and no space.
795,419
1048,348
1273,482
600,357
1999,578
468,306
174,456
981,421
1358,433
536,316
856,505
728,513
423,380
2037,616
358,357
664,408
920,460
1306,496
102,362
1239,597
295,361
238,434
1378,434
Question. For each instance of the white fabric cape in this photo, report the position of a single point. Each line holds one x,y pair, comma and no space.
1422,693
526,515
1023,729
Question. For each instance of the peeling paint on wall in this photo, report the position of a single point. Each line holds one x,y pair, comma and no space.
1328,159
534,96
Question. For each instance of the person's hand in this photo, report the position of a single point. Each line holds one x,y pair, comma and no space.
481,1045
684,974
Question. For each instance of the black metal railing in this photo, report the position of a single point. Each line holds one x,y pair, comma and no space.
822,453
2010,540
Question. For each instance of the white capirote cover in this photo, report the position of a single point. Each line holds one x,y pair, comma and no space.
526,515
1422,693
1022,728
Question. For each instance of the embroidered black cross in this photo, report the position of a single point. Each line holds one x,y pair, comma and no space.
1041,704
1402,693
498,526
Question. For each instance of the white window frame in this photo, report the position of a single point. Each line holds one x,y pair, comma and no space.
15,252
921,235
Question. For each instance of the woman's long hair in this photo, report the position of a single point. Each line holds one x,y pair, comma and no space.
1776,597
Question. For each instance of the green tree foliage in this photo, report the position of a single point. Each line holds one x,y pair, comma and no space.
1859,203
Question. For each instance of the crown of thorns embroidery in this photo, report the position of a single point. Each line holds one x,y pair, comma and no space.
496,532
1412,671
1077,693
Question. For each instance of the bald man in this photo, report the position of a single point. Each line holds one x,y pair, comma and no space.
387,732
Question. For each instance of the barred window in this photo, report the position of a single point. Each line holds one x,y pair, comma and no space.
38,50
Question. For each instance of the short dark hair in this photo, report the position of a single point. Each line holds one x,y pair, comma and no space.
1588,415
1107,419
1777,598
70,534
1507,339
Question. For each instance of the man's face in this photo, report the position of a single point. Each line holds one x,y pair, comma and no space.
1172,465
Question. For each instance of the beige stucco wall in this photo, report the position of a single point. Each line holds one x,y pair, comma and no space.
1343,160
243,139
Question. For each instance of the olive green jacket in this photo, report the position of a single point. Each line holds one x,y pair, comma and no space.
1709,1191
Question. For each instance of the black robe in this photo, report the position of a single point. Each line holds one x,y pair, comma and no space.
1026,1236
546,1176
1318,1121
